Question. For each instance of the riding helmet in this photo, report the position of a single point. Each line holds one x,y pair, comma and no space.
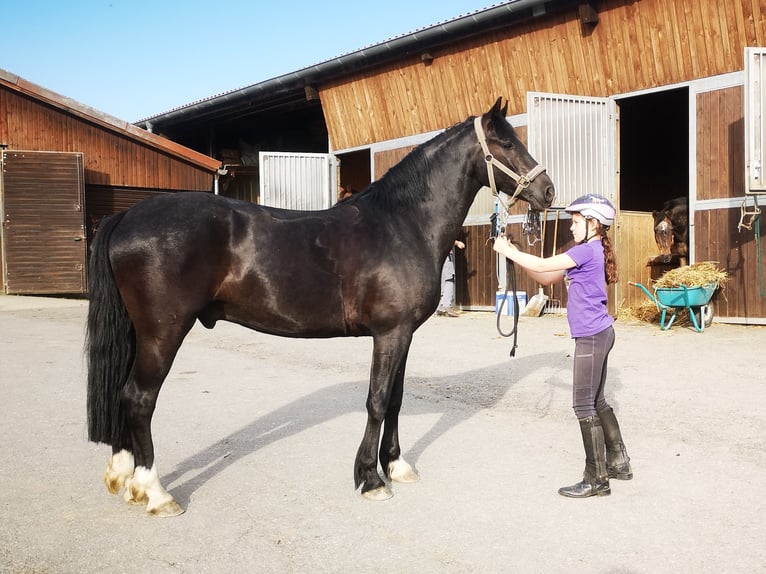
593,206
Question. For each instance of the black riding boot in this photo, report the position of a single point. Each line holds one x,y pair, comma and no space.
595,481
617,459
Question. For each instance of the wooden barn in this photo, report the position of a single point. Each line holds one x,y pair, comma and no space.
64,166
639,100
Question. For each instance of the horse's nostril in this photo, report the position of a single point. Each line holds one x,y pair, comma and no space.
550,193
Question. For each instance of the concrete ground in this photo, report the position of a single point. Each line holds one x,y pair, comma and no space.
256,437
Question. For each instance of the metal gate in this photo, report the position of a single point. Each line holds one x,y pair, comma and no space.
296,180
43,232
573,137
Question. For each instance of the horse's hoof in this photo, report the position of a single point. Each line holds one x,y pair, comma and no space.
380,493
400,470
167,509
113,483
135,496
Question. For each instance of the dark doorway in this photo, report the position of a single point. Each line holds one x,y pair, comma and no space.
654,149
355,169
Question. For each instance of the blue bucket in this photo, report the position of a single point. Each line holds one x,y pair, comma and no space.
521,297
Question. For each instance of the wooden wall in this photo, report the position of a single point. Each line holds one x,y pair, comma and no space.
110,158
737,252
720,144
636,45
634,246
720,175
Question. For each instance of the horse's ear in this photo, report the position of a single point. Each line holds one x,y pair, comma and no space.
497,110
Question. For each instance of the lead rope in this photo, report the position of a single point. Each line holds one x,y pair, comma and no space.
757,230
522,182
531,227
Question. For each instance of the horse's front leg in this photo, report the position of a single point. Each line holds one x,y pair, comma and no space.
391,460
389,352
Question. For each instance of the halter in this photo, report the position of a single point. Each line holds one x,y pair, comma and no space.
522,181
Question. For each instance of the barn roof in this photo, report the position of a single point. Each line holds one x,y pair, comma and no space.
105,121
294,88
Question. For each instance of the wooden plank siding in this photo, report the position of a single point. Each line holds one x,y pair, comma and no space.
110,158
721,175
385,160
720,144
634,246
635,45
737,253
120,164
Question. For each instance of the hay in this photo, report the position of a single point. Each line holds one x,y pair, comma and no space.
644,313
695,275
648,313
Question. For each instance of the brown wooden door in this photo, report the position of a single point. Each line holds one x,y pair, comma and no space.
43,233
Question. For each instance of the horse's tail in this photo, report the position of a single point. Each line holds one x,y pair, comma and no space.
110,344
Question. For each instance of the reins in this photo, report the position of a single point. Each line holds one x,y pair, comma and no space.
522,182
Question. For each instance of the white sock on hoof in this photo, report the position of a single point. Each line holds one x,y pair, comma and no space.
400,471
145,486
119,470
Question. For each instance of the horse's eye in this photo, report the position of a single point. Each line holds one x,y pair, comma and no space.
508,145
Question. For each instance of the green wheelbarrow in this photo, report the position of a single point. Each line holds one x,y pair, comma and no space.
696,300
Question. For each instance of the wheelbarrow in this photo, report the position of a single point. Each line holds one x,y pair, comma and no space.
696,300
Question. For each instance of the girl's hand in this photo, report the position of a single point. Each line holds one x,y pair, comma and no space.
503,246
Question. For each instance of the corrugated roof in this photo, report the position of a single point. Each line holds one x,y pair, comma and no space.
289,87
320,63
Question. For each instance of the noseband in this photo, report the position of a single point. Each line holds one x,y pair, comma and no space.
522,181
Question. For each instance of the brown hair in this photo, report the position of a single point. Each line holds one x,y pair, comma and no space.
610,261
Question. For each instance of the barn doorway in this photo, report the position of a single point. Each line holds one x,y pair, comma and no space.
654,149
653,168
354,172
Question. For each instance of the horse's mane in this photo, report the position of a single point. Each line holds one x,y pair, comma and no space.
405,183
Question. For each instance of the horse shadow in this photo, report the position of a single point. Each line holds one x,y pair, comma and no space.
454,398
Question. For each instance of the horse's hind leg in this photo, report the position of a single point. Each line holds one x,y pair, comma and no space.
391,460
154,357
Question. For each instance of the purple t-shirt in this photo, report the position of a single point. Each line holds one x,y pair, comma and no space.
586,296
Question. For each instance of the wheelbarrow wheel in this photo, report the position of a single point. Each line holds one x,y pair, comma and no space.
704,315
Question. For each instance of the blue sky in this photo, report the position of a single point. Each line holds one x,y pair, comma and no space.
137,58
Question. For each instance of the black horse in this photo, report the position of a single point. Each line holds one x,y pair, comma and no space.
368,266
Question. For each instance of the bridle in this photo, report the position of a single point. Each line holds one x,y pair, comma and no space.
522,181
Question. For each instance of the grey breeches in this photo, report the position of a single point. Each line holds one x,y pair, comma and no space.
590,359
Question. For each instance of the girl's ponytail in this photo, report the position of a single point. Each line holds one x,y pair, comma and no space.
610,262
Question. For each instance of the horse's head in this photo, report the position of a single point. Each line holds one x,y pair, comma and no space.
663,232
510,168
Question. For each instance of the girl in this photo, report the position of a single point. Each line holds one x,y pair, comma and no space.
588,268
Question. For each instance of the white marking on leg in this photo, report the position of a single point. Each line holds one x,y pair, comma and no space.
145,487
119,470
400,471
